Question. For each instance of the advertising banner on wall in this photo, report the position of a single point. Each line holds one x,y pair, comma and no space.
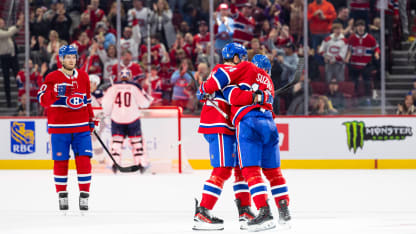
300,138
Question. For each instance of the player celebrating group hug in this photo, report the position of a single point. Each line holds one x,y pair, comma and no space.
239,96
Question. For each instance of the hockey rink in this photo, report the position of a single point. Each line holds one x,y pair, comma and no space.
322,201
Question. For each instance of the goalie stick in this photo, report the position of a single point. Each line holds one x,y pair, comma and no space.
120,168
296,78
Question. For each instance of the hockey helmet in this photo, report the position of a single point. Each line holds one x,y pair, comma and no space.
261,61
67,49
232,49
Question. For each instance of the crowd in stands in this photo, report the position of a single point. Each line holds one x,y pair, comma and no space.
343,48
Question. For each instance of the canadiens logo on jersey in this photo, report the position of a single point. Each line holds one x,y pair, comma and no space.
75,101
22,136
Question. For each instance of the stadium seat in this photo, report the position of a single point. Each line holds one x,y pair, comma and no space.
347,88
319,87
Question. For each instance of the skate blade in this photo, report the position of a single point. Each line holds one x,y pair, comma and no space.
243,225
64,212
262,227
202,226
284,225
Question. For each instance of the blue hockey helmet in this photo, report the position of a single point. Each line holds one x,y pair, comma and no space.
261,61
67,49
232,49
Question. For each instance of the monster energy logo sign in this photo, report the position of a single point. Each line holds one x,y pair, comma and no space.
357,133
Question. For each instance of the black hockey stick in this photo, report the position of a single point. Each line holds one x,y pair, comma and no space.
296,78
120,168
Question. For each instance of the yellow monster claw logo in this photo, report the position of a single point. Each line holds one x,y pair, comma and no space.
21,135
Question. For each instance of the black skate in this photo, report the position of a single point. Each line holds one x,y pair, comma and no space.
83,201
203,220
63,200
263,221
244,214
284,215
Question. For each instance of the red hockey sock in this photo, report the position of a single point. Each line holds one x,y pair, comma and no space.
84,172
60,172
277,184
258,188
240,187
213,186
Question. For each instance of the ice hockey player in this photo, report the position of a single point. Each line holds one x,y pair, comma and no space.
257,136
220,134
122,102
66,94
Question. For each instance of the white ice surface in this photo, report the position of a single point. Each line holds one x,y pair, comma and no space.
322,201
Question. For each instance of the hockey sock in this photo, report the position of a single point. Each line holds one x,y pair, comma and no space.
84,172
277,184
240,187
213,186
258,188
60,172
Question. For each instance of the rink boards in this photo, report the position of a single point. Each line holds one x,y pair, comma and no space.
337,142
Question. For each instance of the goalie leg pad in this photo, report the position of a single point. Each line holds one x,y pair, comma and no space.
116,144
213,186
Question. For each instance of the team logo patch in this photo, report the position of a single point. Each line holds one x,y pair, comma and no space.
22,136
75,101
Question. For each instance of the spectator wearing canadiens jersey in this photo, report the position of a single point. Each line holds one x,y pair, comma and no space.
66,94
244,23
334,49
362,48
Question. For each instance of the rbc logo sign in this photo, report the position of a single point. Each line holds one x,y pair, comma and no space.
22,137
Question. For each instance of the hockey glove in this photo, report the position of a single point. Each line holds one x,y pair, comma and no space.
94,125
63,90
262,97
201,94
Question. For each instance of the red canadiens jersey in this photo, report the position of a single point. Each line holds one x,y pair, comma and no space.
156,84
136,71
362,49
243,27
202,40
68,114
34,83
244,76
211,120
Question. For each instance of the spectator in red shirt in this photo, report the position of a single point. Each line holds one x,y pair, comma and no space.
84,26
321,13
202,38
96,14
362,48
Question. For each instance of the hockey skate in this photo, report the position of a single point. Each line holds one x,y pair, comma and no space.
284,215
63,201
244,214
203,220
83,201
114,168
263,221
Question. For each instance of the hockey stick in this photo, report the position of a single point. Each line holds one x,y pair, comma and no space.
218,108
120,168
296,78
